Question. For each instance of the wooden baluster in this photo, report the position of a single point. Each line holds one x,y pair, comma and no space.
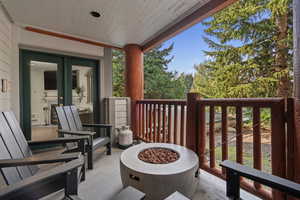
138,110
175,136
182,128
159,123
147,122
202,134
143,122
140,120
154,124
212,157
257,156
137,130
224,136
169,123
164,123
150,123
239,135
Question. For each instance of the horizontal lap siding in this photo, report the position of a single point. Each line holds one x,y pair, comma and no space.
5,58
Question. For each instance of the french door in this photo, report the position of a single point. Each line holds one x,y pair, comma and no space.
49,80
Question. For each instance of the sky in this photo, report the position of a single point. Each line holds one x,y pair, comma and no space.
188,49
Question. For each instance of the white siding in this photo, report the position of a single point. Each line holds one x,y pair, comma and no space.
5,58
33,41
13,37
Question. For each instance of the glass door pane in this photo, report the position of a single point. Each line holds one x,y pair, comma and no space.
44,97
83,92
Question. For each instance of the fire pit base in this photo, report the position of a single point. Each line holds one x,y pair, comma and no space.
160,180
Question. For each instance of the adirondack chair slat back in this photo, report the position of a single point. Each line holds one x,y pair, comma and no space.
63,122
14,151
70,118
11,174
19,136
76,118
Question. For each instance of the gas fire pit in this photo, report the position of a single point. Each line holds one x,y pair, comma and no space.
158,155
159,169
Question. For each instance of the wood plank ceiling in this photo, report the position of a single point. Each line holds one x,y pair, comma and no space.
122,21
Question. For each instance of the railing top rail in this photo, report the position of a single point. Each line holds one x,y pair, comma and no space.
243,102
162,101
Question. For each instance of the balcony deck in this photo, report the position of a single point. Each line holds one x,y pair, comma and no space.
103,182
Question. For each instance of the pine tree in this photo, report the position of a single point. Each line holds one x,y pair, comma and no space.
118,73
159,82
251,51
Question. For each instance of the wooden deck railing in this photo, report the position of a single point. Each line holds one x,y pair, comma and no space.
162,121
184,122
278,156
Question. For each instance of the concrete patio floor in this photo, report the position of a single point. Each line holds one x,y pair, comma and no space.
103,182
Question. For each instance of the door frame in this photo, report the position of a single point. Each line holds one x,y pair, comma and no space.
64,68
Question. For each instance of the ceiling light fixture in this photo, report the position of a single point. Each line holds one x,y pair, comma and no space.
95,14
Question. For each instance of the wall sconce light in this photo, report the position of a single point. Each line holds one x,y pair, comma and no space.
4,85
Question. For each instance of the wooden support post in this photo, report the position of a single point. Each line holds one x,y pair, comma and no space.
291,139
192,121
134,79
278,138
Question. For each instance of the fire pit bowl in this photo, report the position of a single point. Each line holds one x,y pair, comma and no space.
159,169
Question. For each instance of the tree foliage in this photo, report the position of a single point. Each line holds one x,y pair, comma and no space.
250,51
159,82
118,73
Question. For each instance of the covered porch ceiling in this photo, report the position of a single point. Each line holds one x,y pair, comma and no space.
146,23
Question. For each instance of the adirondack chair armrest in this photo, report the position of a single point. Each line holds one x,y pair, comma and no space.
97,125
78,133
234,171
41,181
108,127
58,141
37,160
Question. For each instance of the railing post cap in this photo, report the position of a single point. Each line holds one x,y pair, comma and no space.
193,95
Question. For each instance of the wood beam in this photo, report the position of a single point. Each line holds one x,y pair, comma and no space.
68,37
296,22
203,12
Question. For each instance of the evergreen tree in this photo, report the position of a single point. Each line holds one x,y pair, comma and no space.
159,82
251,51
118,73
